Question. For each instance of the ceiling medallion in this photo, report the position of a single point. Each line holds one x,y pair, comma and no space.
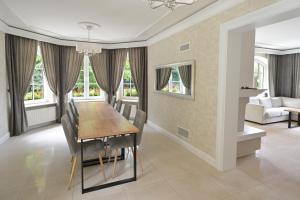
88,48
171,4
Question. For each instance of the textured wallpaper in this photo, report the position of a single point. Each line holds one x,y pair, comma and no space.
199,116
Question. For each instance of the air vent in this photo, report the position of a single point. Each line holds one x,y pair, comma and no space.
183,132
184,47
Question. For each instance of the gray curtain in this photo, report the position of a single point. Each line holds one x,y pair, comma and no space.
272,66
100,65
162,77
62,68
108,69
20,62
138,59
50,56
186,77
284,74
71,61
117,62
296,76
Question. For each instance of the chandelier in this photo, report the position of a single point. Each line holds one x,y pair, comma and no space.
171,4
88,48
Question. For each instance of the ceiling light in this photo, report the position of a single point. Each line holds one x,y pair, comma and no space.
88,48
171,4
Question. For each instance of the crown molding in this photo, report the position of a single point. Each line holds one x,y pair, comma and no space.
199,16
264,50
59,41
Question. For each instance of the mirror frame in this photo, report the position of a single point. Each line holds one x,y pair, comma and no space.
189,62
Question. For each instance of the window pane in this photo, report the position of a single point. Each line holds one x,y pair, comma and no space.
258,76
175,75
133,90
126,76
129,89
126,90
29,95
38,76
78,90
175,87
36,89
38,92
94,89
166,88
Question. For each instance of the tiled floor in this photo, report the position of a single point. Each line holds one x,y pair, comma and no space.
36,166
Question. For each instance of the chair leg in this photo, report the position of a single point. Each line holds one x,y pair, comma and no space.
74,162
109,156
140,159
115,163
102,165
128,150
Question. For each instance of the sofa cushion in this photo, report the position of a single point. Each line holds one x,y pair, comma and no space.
276,102
290,102
275,112
266,102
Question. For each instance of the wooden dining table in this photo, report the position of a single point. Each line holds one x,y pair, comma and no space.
98,120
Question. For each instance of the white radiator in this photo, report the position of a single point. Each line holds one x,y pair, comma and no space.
41,116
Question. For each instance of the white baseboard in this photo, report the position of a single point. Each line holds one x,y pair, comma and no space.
202,155
4,138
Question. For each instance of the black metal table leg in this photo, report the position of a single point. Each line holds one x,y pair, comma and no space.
298,119
134,156
82,178
87,163
290,120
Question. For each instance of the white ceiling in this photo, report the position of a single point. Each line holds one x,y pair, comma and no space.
284,35
120,20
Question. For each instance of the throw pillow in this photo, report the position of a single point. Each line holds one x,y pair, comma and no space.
276,102
266,102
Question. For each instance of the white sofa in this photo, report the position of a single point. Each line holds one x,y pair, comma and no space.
270,110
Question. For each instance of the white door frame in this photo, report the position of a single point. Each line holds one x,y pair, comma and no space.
229,77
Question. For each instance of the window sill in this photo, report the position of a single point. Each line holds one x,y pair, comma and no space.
88,100
35,106
130,101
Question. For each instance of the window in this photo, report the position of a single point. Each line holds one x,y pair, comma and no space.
86,86
38,90
175,84
260,73
128,87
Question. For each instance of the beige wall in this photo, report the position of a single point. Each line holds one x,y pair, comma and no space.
199,116
3,96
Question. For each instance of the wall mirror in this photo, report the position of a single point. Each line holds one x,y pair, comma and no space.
176,79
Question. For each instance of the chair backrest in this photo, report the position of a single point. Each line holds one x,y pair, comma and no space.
119,105
127,111
72,121
113,101
72,143
74,107
139,121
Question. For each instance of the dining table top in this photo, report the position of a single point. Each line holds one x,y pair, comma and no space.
100,119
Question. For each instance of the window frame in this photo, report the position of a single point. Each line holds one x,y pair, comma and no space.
47,94
261,61
170,83
121,88
86,81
